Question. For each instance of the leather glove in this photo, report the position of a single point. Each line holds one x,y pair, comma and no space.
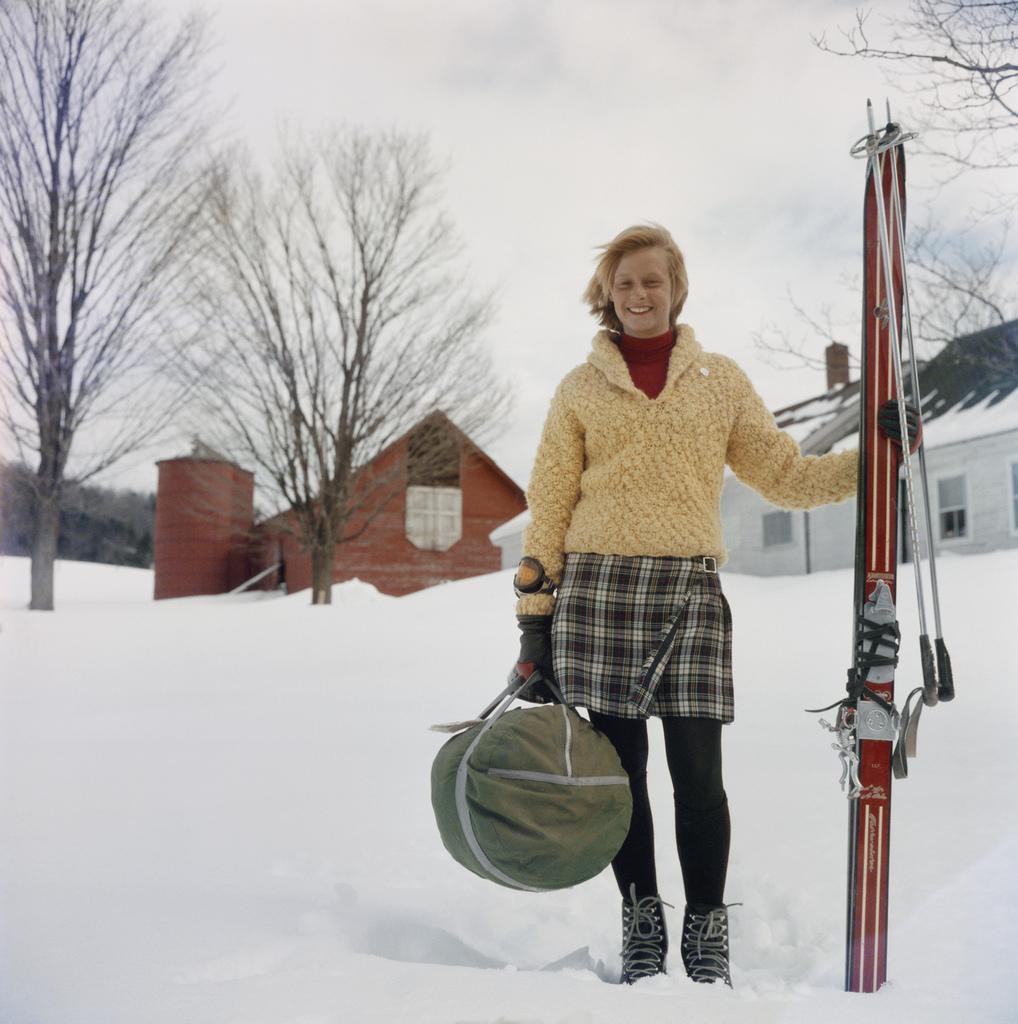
890,424
535,656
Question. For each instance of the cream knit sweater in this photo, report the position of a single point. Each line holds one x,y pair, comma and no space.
620,473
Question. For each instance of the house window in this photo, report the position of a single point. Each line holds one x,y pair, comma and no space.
777,528
434,517
951,502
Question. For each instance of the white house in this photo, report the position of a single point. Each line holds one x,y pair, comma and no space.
970,429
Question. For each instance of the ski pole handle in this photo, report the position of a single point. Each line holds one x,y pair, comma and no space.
930,690
944,673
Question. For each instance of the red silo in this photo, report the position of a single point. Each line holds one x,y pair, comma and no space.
203,525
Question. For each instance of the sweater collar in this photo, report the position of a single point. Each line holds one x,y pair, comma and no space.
646,350
607,358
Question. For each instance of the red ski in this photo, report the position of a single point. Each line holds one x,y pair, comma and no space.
876,638
874,739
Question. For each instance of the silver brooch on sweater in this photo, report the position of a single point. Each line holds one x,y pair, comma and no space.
704,372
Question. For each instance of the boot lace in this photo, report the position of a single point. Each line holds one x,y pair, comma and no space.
643,937
705,945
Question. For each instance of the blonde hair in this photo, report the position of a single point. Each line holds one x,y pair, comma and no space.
640,236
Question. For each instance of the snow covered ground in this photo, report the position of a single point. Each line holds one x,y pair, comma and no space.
216,810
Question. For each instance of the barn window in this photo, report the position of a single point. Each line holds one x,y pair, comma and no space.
434,517
952,507
434,498
777,528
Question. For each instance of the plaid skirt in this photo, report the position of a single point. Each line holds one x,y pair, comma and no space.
634,636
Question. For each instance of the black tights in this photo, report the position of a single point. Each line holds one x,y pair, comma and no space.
702,824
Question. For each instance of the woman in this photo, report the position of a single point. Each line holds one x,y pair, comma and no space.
619,596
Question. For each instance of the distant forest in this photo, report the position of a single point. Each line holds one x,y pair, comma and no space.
97,524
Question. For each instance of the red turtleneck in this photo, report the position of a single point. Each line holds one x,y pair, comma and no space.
647,359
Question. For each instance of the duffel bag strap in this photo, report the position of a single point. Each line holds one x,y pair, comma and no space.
515,684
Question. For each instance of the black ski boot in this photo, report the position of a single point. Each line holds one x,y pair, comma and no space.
644,937
705,944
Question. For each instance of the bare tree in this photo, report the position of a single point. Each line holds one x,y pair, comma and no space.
960,283
99,121
956,59
780,349
338,323
965,281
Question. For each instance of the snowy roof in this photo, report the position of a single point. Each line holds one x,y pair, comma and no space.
511,527
804,419
969,389
201,451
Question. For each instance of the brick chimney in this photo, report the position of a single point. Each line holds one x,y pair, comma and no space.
837,365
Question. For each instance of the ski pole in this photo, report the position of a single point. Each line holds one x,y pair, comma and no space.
892,139
945,676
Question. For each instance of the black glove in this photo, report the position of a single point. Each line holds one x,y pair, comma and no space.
890,424
535,656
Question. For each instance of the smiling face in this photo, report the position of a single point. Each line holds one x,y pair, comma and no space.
642,293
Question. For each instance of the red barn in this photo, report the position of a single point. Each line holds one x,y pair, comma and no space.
442,496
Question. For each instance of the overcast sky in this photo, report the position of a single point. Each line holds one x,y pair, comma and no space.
564,121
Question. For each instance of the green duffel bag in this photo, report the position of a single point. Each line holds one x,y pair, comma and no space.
533,799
